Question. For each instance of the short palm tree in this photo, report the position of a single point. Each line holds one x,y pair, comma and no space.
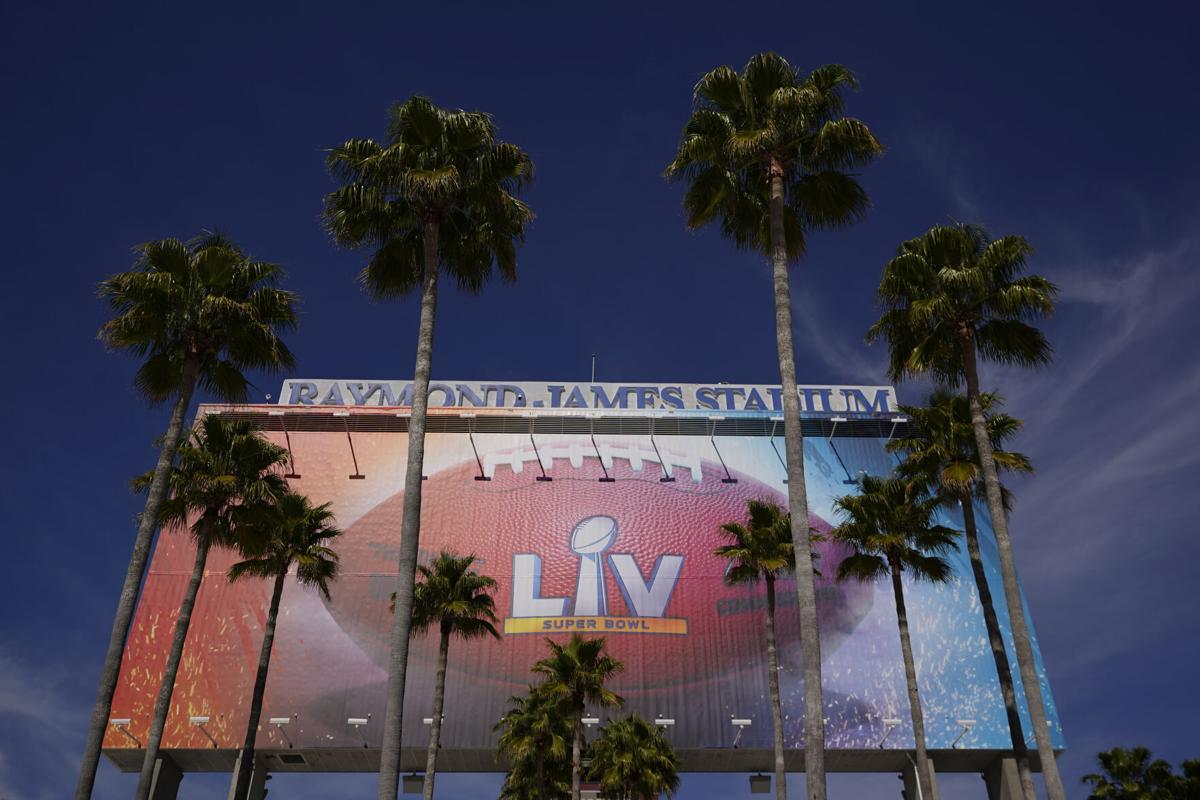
768,154
890,527
633,760
941,452
575,674
950,297
225,467
762,550
457,601
198,312
438,195
535,739
288,532
1131,775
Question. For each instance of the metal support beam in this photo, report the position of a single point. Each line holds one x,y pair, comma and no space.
1002,779
165,780
912,790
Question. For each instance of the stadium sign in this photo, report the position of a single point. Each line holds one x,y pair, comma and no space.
595,396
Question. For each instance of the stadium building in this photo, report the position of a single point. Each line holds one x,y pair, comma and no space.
596,507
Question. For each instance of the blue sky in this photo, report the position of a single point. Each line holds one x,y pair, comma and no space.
1074,128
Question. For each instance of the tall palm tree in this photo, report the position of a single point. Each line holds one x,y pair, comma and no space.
942,453
768,154
949,297
438,195
198,312
225,467
534,736
456,600
575,674
890,526
633,760
289,532
762,550
1131,775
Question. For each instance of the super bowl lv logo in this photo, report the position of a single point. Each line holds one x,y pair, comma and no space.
645,598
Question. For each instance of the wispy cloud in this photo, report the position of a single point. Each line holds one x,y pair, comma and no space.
41,727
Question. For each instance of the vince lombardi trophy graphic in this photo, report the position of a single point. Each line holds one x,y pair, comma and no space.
589,539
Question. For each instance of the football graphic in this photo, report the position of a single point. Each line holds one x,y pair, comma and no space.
605,547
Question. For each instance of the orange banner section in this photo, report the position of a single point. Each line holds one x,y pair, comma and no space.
669,625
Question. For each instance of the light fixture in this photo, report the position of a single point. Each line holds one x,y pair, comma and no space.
123,726
413,783
890,724
664,722
357,723
760,784
967,725
590,721
741,724
200,722
279,722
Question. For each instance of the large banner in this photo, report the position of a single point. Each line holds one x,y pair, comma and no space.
618,542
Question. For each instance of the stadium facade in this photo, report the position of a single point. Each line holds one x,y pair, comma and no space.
596,507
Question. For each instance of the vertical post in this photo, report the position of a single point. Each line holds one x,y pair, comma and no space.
258,778
165,780
912,791
1002,779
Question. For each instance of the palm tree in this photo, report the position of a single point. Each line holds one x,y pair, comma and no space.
457,601
225,467
762,550
949,297
199,312
438,195
533,738
288,532
890,526
575,674
1131,775
942,453
767,154
633,760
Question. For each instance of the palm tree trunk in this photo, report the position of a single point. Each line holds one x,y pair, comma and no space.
910,675
163,703
410,527
147,524
541,777
814,722
435,728
999,653
246,762
576,756
773,687
1008,571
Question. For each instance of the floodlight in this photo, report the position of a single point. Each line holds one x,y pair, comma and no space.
122,724
200,722
967,725
890,724
279,722
741,724
357,723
